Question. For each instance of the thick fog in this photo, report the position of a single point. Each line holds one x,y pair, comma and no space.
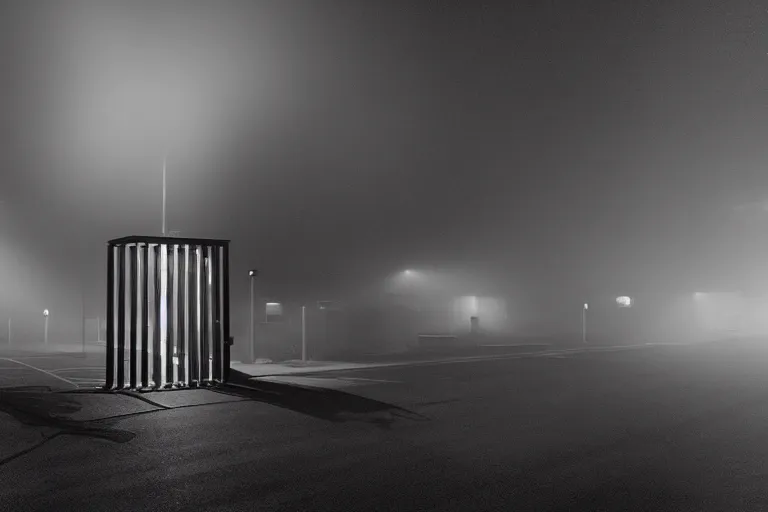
536,147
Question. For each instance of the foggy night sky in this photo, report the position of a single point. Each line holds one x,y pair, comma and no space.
586,145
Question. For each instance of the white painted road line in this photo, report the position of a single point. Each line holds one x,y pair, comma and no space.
90,368
48,356
317,382
42,371
470,359
524,355
368,380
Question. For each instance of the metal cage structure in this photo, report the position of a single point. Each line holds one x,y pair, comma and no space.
167,313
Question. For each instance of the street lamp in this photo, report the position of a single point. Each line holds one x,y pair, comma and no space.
584,323
252,277
304,334
407,285
45,315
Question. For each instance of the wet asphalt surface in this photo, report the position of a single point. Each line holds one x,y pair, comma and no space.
657,428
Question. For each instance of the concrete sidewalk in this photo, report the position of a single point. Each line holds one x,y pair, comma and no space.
299,367
267,368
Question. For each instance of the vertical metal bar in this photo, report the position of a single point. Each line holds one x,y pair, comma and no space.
188,303
225,307
181,311
216,311
145,316
194,315
121,317
205,337
156,355
200,311
220,310
110,334
169,316
134,311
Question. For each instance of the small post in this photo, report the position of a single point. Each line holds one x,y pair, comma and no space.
252,275
474,324
304,333
45,316
82,317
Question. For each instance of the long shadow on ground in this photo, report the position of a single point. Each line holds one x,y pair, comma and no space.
326,404
38,406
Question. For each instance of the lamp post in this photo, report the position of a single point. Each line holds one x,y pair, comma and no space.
2,218
304,333
164,192
45,316
584,323
82,316
252,276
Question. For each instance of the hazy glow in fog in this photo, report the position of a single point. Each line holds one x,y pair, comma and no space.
491,312
468,306
178,79
274,308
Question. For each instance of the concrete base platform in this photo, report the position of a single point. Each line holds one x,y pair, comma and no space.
298,367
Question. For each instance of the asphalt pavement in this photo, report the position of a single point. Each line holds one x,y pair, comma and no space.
58,370
652,428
